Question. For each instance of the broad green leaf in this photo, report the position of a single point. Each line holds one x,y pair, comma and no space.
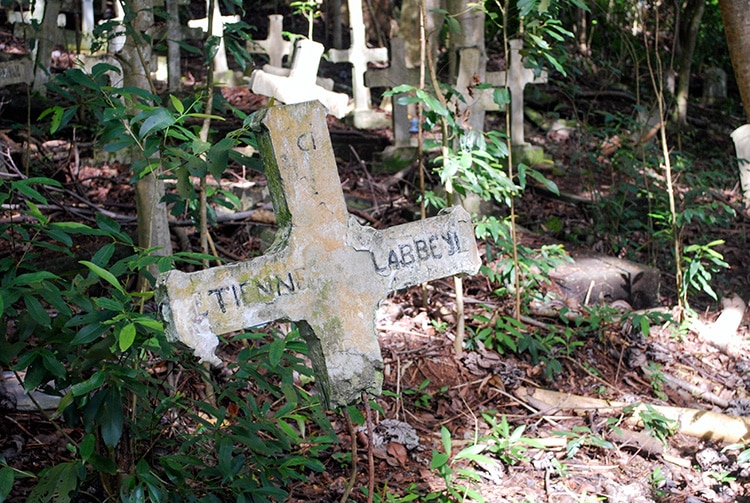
118,145
275,352
438,459
31,278
103,255
89,333
212,47
52,364
150,323
471,451
24,187
126,337
111,418
157,120
102,464
87,446
103,274
55,484
90,384
185,186
7,476
37,311
177,104
81,78
445,435
102,68
59,235
546,182
218,157
400,89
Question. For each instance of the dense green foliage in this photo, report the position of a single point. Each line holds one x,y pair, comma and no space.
74,325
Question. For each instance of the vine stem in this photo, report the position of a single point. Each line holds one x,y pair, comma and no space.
370,449
353,475
657,81
458,343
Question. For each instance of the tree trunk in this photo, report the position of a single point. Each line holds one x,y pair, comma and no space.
736,16
174,68
688,36
46,39
136,56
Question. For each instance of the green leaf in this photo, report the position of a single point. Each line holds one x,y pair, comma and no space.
7,475
185,186
87,446
126,337
445,435
111,418
356,415
101,68
470,451
52,364
275,352
439,459
23,186
177,104
103,464
55,484
89,333
157,120
104,274
89,385
546,182
218,157
33,277
37,311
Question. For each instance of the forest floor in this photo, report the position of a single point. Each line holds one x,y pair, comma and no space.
545,450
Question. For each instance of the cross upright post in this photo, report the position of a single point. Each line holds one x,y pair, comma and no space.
395,75
359,55
274,45
217,28
515,78
325,271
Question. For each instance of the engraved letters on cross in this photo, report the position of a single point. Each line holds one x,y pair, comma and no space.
325,271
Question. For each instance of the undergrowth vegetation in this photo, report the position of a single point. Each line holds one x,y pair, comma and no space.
75,325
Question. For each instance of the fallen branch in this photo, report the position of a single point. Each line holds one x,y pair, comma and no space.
702,424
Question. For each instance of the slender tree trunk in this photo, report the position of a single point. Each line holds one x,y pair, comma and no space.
173,46
688,36
736,16
136,55
46,39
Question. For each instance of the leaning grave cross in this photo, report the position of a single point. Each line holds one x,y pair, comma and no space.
325,271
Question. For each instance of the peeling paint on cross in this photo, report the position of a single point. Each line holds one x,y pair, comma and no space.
325,271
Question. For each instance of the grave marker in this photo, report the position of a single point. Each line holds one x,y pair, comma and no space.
325,271
220,59
396,74
274,45
20,71
299,83
516,79
359,55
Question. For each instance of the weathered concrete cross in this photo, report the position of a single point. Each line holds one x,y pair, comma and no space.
515,79
325,271
359,55
20,71
217,28
274,45
396,74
